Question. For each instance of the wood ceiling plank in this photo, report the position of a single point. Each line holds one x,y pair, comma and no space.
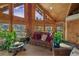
58,10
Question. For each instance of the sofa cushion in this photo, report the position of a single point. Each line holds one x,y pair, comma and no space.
43,38
37,36
74,52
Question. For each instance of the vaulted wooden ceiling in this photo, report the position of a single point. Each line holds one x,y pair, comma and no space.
57,10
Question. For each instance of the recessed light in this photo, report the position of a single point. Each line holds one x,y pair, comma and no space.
50,8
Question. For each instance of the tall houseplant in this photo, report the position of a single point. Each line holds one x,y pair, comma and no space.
57,39
8,37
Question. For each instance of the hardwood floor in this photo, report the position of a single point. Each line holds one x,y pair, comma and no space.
5,53
32,50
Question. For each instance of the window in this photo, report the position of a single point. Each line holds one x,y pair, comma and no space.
4,26
19,27
60,28
39,29
20,30
38,14
48,28
18,10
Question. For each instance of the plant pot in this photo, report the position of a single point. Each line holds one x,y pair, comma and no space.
56,45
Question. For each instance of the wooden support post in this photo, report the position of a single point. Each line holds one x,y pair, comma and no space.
10,17
29,17
44,20
66,37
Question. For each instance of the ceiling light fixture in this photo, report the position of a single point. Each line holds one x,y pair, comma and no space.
50,8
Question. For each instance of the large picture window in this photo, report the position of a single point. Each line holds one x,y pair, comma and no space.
20,30
4,26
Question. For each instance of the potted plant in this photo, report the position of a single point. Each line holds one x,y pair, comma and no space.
8,37
57,39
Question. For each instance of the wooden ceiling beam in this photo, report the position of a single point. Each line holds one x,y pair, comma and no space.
4,5
74,6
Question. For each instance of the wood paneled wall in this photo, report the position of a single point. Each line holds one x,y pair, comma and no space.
73,31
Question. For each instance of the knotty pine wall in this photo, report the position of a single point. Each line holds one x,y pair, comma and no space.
73,31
